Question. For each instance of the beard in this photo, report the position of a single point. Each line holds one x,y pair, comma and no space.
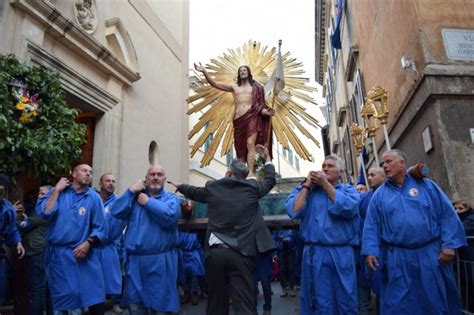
155,187
84,182
108,192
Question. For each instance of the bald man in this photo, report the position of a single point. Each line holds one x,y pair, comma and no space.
151,237
375,178
413,219
108,251
76,227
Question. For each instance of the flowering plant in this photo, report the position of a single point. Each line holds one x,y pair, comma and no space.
38,134
259,164
28,106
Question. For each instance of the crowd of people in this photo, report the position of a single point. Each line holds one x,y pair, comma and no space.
396,241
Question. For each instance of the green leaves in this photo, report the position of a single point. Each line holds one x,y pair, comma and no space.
48,145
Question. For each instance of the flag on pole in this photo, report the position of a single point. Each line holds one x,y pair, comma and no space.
361,178
277,79
336,35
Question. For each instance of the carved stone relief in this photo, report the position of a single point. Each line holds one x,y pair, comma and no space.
85,12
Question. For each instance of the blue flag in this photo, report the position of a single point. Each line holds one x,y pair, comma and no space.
361,179
336,35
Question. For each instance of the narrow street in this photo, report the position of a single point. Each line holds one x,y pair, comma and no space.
280,306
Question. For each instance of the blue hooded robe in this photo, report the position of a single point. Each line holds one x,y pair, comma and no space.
329,230
414,222
107,252
74,283
190,250
8,231
150,243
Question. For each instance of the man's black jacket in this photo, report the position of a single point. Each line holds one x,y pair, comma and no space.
233,213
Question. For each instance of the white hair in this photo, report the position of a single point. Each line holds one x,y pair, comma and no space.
339,162
399,153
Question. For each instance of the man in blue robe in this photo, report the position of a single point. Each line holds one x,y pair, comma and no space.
415,221
108,254
263,274
285,247
329,213
8,232
190,250
8,229
151,237
365,278
76,227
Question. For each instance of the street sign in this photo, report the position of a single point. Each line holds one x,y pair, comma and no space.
459,44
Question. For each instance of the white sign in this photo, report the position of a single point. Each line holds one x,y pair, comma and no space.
427,139
459,44
472,135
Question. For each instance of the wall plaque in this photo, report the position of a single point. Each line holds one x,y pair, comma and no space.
459,44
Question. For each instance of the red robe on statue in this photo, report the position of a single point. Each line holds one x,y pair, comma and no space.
253,122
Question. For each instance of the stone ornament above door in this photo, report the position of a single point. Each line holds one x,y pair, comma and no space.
85,14
73,36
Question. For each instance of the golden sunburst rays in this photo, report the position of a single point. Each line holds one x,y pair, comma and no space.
217,107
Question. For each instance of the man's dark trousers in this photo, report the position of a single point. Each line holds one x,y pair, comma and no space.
229,270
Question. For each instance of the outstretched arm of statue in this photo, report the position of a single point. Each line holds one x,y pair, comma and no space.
218,85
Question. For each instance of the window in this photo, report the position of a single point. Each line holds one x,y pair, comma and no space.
334,52
229,158
209,139
153,153
347,151
357,100
329,95
359,89
355,111
120,43
297,163
290,157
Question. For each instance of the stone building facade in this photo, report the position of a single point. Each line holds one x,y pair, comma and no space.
124,64
422,53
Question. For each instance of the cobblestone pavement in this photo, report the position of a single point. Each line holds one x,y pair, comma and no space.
280,306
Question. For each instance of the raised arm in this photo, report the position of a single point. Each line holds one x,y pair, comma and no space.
269,177
51,203
299,200
218,85
165,211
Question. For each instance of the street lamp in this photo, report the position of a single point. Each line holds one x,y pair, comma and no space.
368,113
357,133
377,98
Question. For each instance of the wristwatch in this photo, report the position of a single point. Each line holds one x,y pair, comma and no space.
305,186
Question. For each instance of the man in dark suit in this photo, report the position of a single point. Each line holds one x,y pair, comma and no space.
233,231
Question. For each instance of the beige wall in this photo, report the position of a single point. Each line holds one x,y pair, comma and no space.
387,30
434,15
154,107
149,109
